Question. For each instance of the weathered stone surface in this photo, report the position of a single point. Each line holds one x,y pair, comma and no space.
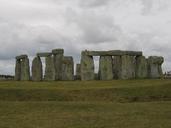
67,68
58,57
141,67
113,53
45,54
117,67
21,57
49,69
127,67
105,68
78,71
58,51
154,66
87,67
18,70
25,69
37,73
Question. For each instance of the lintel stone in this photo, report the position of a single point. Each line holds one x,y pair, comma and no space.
113,53
44,54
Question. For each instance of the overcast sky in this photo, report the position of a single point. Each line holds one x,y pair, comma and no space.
31,26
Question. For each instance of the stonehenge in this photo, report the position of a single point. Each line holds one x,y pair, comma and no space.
22,68
113,64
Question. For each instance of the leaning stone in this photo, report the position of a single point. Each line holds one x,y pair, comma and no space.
18,70
49,68
37,73
105,68
58,57
25,69
67,68
127,67
141,67
78,71
155,66
87,67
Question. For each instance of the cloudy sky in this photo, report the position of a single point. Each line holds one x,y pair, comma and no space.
31,26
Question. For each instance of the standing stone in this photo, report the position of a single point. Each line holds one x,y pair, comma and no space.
58,57
127,67
25,69
105,68
87,67
78,71
141,67
49,68
37,73
154,67
17,70
67,68
116,67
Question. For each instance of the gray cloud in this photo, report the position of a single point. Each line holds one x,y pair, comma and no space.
31,26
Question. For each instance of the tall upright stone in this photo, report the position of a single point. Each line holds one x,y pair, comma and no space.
18,70
25,69
37,73
116,67
105,68
127,67
78,71
49,68
58,57
141,67
67,68
87,67
155,66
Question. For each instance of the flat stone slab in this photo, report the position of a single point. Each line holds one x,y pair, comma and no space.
21,57
58,51
113,53
44,54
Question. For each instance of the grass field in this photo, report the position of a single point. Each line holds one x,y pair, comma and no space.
92,104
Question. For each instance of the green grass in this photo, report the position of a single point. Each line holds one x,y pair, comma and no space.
92,104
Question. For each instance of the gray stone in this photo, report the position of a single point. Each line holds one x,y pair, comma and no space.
25,69
37,73
58,51
49,68
127,70
113,53
87,67
45,54
21,57
18,70
67,68
141,67
117,67
78,71
155,67
58,57
105,68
